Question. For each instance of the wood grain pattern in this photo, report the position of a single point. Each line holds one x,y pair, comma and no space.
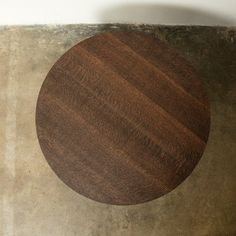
122,118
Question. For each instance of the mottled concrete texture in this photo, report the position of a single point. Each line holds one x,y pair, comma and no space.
35,202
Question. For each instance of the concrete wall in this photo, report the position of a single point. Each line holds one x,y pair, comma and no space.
200,12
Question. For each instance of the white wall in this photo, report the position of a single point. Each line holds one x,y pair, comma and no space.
203,12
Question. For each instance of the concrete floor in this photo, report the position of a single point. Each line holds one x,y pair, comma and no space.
35,202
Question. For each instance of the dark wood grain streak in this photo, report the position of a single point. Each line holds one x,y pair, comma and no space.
122,118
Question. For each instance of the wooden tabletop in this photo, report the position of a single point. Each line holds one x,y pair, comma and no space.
122,118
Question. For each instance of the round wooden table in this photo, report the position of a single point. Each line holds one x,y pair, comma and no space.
122,118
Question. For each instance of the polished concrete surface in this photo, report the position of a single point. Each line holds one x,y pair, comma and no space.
33,201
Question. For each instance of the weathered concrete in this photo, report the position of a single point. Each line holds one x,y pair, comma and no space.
35,202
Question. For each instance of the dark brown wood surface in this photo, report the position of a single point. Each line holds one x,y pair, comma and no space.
122,118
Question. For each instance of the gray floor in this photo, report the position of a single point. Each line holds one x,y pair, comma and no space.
35,202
